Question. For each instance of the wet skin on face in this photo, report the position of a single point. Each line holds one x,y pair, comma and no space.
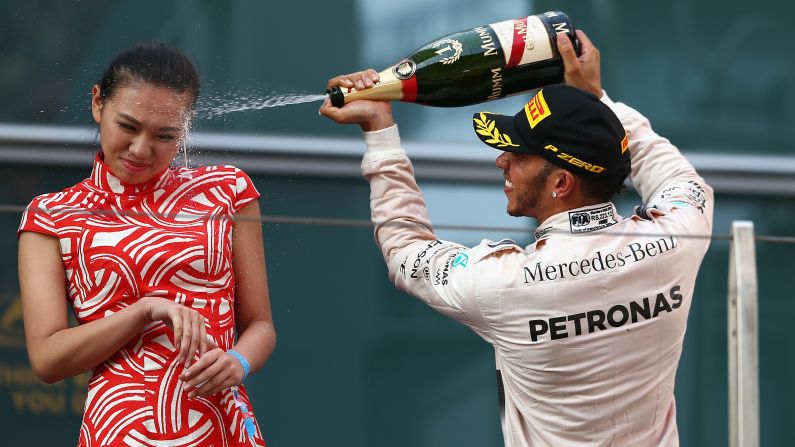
142,127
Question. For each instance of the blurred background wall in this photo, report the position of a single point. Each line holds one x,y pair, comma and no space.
358,363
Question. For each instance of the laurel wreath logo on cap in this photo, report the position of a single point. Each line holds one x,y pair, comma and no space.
488,128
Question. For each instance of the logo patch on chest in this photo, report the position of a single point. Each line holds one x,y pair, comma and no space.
585,221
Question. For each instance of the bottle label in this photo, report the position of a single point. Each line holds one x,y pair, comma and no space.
523,41
480,64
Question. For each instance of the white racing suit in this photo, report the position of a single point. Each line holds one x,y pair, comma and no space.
586,323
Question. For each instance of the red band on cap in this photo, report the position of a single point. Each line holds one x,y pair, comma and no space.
409,89
519,40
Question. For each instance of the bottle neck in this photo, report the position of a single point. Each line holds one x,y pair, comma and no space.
388,88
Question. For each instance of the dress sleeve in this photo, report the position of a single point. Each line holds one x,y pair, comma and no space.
245,191
37,218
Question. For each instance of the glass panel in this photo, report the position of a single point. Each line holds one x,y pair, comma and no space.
711,75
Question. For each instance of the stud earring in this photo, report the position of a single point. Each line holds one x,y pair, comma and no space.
554,194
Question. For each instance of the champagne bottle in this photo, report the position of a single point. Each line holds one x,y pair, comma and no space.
468,67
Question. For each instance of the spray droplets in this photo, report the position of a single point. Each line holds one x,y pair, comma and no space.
216,105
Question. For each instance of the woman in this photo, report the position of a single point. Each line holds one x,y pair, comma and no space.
169,290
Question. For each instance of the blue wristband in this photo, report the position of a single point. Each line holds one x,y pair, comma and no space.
243,363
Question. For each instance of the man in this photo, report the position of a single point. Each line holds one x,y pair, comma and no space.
587,323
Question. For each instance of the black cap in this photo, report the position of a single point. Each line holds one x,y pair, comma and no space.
571,128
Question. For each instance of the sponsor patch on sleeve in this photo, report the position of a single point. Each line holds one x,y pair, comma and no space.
684,195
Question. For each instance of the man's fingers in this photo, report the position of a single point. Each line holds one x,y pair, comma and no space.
589,54
359,80
370,77
327,109
339,80
567,52
585,43
374,76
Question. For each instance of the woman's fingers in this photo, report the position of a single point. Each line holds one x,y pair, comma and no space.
197,323
215,383
212,373
204,346
177,326
205,380
190,331
187,335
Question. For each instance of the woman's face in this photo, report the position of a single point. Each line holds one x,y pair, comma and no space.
141,128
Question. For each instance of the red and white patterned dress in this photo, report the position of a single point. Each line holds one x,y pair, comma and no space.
171,238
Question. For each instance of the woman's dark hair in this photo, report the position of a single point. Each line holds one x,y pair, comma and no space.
151,62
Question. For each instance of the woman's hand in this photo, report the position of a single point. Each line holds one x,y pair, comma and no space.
190,334
215,371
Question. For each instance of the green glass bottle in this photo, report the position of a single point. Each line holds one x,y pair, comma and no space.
468,67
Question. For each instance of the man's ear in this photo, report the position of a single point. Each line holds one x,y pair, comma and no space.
565,183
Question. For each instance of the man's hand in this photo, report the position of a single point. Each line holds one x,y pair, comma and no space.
581,72
369,115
